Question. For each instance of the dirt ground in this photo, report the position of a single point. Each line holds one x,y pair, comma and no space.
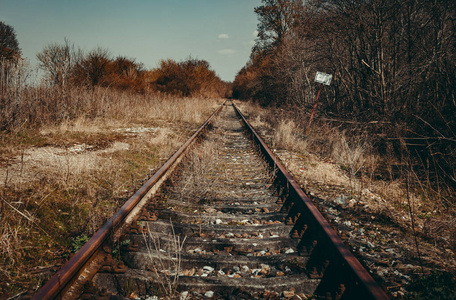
373,217
60,183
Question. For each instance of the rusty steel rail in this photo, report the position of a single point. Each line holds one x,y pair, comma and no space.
73,267
346,273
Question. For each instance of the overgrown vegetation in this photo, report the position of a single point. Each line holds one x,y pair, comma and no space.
165,259
77,142
343,160
393,63
433,286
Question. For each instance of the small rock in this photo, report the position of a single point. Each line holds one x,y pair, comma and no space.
264,272
255,271
342,200
208,269
218,221
183,295
288,294
209,294
289,251
280,273
383,263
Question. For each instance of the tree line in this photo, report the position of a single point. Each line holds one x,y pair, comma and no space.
67,65
192,77
392,61
75,83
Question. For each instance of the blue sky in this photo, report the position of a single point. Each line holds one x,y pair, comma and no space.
219,31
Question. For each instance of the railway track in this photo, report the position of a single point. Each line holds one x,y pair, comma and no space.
229,223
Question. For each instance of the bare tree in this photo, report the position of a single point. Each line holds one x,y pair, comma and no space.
58,60
276,18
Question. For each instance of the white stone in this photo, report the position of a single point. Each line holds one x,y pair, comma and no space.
183,295
256,271
208,269
342,200
289,251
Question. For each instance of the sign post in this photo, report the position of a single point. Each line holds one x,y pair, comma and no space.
322,79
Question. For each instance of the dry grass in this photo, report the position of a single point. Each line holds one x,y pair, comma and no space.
332,158
165,260
26,106
286,136
69,158
196,181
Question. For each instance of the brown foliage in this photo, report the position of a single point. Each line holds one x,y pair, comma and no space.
191,77
392,61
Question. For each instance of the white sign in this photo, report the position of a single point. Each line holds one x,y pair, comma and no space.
323,78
